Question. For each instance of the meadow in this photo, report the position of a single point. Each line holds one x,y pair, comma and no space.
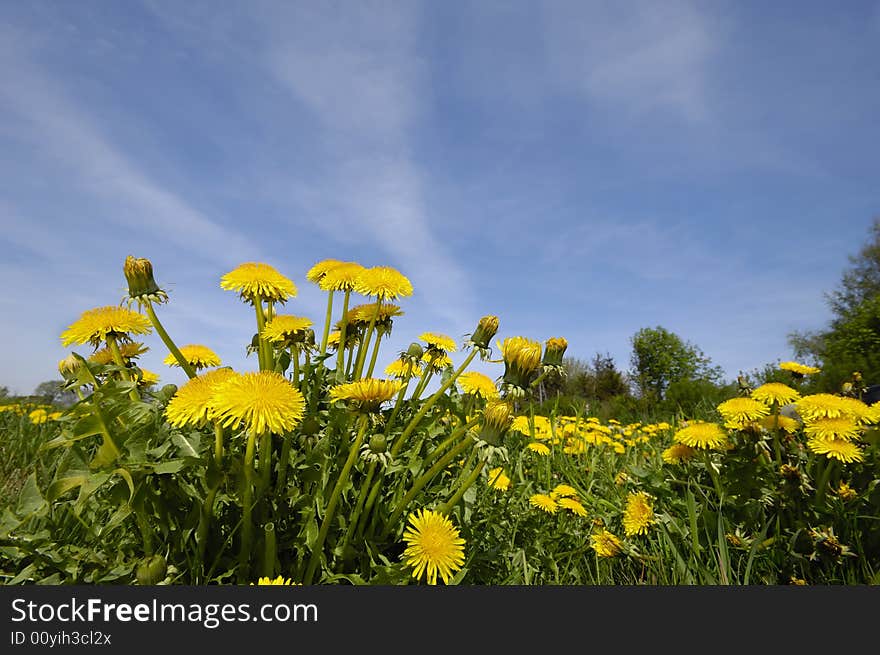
332,463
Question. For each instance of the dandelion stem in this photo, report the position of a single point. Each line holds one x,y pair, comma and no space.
353,526
368,335
334,499
429,403
374,356
246,500
422,481
117,357
172,348
327,321
340,354
446,507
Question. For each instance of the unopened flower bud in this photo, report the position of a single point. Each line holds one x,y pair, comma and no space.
151,570
142,286
553,351
69,366
486,329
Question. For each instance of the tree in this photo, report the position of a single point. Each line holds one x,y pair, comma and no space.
661,357
52,392
851,342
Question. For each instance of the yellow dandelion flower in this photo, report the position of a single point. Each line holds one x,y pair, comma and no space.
678,453
262,402
436,362
857,410
434,546
605,543
564,491
522,353
833,428
192,403
438,341
383,282
280,580
799,369
363,314
775,392
286,328
845,492
823,405
317,272
478,384
540,448
129,351
839,449
738,412
572,505
521,424
402,369
498,479
148,378
701,434
544,503
785,423
365,395
639,514
196,355
95,325
38,416
255,279
341,278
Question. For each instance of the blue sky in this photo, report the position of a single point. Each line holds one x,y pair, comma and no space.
580,169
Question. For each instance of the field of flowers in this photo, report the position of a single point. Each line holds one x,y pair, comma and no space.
331,463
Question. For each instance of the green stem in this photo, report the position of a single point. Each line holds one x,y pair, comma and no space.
207,514
269,550
452,438
422,481
446,507
247,497
172,348
362,353
117,357
374,356
429,403
340,353
294,357
334,499
283,464
261,324
327,321
823,477
362,497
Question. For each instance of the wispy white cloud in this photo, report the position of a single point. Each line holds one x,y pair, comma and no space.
66,135
633,57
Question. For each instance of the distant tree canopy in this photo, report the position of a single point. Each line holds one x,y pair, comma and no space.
661,358
53,393
851,342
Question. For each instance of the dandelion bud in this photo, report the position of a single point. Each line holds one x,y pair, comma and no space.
522,357
415,352
378,444
141,285
497,419
486,329
151,570
69,366
553,351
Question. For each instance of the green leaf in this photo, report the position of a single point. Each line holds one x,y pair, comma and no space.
30,500
188,445
171,466
126,475
61,486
